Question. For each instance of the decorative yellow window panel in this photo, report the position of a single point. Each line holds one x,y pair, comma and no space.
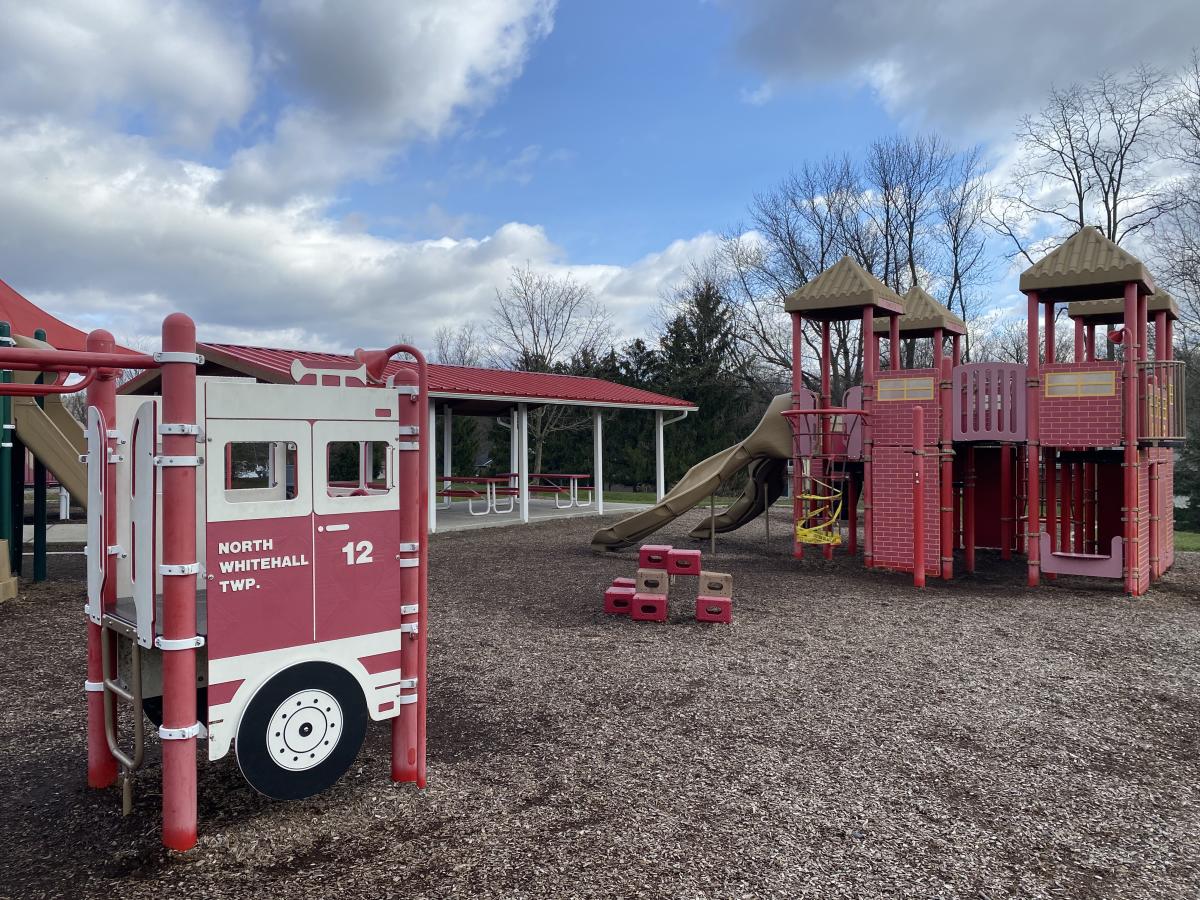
1081,384
904,389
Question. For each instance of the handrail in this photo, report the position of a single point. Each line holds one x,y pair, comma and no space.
1162,402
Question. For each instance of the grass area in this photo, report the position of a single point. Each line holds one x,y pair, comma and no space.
1187,540
629,496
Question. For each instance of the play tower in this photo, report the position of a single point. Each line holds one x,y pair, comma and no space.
1066,458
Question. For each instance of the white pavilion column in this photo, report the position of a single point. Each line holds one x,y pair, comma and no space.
431,436
514,445
598,460
660,466
523,459
64,504
447,446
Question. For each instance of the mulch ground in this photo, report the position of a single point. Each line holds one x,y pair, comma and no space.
847,736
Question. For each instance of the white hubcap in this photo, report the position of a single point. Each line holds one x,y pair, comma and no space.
304,730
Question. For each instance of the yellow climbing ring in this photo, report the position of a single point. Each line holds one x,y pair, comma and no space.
826,531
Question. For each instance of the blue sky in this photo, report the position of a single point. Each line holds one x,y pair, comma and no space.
308,172
620,139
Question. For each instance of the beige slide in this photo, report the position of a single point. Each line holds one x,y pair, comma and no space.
765,451
52,434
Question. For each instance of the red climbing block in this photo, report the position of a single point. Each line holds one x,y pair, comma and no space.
683,562
618,600
649,608
714,609
624,582
653,556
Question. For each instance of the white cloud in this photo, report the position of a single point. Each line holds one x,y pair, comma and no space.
359,85
967,66
172,65
114,235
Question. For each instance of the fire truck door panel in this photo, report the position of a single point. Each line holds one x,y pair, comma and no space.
356,528
258,538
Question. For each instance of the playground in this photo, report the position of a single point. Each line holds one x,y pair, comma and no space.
848,737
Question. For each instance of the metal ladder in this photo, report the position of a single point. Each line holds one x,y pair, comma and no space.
111,631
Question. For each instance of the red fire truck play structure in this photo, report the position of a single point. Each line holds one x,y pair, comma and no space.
239,588
1067,461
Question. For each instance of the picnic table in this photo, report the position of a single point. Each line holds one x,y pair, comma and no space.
560,483
494,487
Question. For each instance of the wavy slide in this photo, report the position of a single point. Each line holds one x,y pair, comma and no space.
765,452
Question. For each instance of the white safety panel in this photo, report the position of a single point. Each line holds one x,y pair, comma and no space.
97,546
143,525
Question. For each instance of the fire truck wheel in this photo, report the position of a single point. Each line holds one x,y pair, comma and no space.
302,731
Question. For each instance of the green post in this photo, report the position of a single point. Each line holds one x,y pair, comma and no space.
6,436
17,474
39,498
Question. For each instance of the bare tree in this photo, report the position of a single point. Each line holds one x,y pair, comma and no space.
1088,157
910,213
546,323
459,346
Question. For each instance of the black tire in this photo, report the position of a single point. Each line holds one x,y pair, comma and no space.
292,752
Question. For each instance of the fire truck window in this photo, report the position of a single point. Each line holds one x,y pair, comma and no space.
260,470
345,472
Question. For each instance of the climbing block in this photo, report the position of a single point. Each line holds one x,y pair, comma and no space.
618,600
716,584
624,582
649,608
653,556
652,581
683,562
714,609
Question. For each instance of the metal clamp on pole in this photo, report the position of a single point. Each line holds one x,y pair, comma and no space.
188,643
408,563
168,461
407,390
179,569
405,699
93,687
409,429
167,356
409,546
117,551
181,428
408,445
410,609
408,628
179,734
407,683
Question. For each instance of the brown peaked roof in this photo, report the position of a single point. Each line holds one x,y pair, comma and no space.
841,292
1112,311
1087,266
922,314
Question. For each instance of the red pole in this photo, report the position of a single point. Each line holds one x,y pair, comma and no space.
1090,343
1079,340
894,342
180,725
969,508
824,467
852,514
1006,501
1169,343
102,394
1077,507
1051,351
1129,504
946,473
1051,475
1066,473
918,495
870,365
1032,454
956,349
408,728
797,462
1155,513
1089,507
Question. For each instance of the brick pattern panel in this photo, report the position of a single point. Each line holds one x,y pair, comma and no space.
1078,422
891,420
893,510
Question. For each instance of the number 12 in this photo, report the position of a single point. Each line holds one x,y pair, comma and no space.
363,548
